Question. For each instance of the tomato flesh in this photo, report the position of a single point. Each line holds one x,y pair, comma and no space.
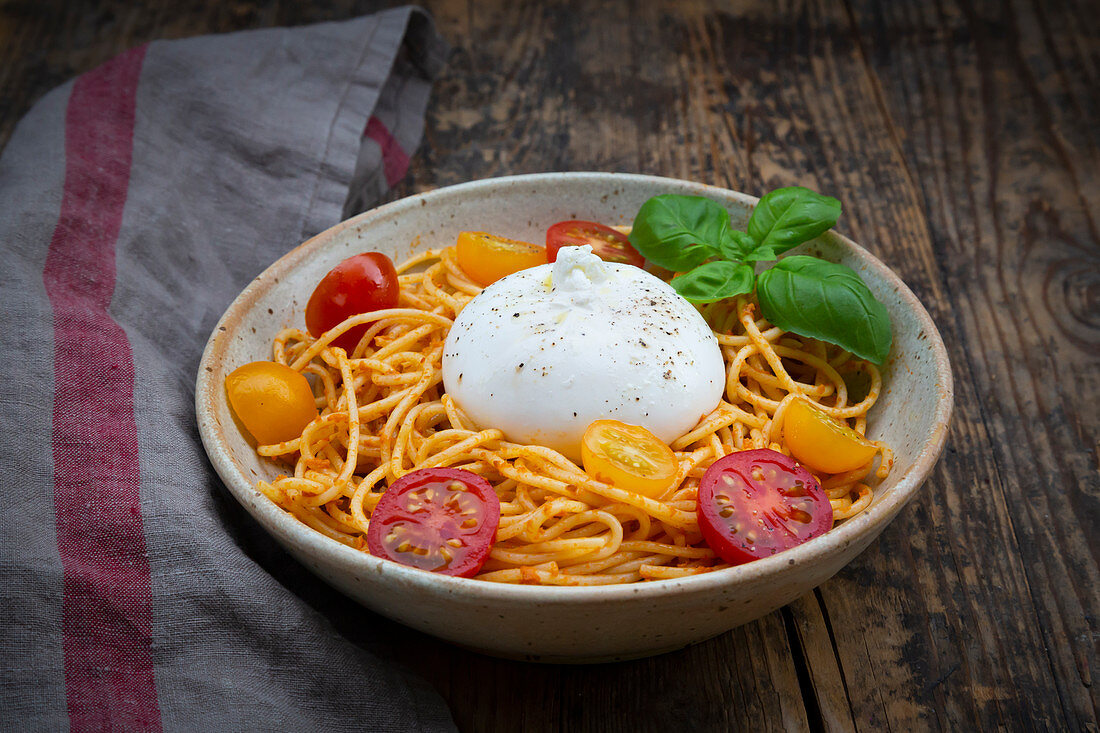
363,283
272,401
443,520
608,244
756,503
628,457
487,258
822,443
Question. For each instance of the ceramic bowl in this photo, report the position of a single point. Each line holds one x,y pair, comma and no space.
565,624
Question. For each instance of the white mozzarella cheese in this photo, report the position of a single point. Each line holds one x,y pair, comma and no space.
544,352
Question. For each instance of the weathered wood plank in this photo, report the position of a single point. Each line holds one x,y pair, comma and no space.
1006,157
835,111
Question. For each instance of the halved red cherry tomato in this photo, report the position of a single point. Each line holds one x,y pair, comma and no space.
628,456
438,519
487,258
272,401
362,283
756,503
607,243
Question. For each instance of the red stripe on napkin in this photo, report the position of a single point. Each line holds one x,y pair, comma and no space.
395,162
106,623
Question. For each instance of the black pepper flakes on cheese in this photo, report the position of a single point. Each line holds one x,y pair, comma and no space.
618,330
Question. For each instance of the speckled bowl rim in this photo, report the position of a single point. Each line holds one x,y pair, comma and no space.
276,520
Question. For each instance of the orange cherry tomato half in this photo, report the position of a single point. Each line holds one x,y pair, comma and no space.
439,519
608,244
628,457
822,443
487,258
362,283
272,401
756,503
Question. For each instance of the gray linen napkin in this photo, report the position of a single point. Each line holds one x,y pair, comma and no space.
135,203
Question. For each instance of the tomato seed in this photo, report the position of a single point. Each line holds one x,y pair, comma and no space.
801,516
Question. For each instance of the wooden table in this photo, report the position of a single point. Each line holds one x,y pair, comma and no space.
964,141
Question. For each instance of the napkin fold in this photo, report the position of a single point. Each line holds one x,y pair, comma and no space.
135,203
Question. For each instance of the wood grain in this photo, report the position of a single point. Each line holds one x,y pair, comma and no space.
963,137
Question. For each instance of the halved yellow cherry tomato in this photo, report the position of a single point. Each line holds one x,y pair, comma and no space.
487,258
272,401
628,457
822,443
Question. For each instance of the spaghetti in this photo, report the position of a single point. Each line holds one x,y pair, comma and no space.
384,413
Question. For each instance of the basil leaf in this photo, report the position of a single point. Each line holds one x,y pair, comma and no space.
763,253
680,232
823,300
787,217
738,247
714,281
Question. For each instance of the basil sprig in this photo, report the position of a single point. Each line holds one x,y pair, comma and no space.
805,295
